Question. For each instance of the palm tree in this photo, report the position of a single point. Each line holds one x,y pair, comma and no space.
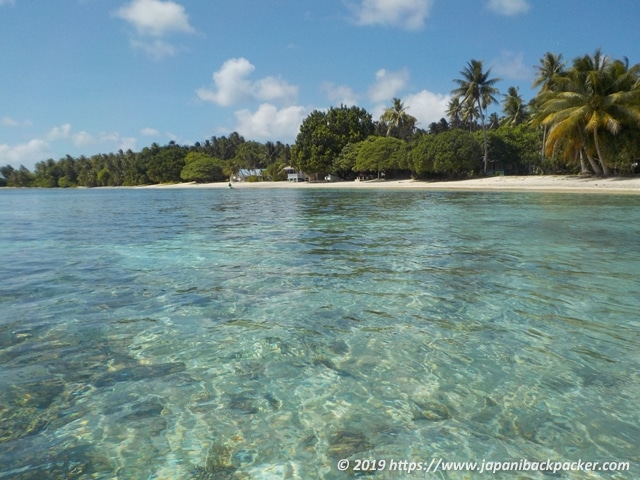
475,87
396,118
454,112
551,66
469,114
513,107
596,95
493,121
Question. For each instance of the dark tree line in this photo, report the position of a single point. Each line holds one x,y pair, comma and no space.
216,159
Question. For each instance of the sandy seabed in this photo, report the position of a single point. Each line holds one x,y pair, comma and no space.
550,183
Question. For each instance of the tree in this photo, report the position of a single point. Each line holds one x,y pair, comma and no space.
452,153
223,147
251,155
476,88
455,153
6,173
438,127
16,178
595,97
513,108
202,168
493,121
399,123
513,149
551,66
47,173
165,164
470,113
379,154
454,112
344,164
323,135
275,171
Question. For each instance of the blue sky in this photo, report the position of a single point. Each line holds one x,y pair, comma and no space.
81,77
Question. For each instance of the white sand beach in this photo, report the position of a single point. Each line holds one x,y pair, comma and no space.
551,183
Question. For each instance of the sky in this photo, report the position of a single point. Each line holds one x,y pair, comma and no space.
80,77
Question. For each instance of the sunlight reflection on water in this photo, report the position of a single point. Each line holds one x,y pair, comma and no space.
267,334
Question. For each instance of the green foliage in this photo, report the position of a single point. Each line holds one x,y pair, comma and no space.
513,107
584,107
165,165
65,182
452,153
275,171
154,164
378,154
16,178
344,164
323,135
250,155
398,122
439,127
223,147
476,89
623,149
421,156
587,118
514,150
47,174
103,177
201,168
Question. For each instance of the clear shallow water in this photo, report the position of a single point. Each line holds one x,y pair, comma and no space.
212,334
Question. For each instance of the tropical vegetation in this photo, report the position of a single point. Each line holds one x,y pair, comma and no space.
584,118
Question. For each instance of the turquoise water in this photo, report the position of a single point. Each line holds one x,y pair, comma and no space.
267,334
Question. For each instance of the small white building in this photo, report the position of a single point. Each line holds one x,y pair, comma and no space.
245,173
295,176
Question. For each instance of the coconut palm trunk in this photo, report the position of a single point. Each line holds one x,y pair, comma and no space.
603,163
485,156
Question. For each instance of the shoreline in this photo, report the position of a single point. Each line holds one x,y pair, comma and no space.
533,183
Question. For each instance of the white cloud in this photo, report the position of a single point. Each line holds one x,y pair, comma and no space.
509,7
26,154
11,122
83,139
511,65
149,132
155,18
127,143
64,132
340,94
388,84
232,86
271,88
268,122
406,14
59,133
156,49
116,141
38,149
427,107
